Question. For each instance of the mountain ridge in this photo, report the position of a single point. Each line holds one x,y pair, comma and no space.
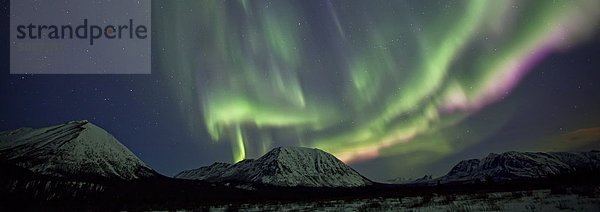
73,149
284,166
513,165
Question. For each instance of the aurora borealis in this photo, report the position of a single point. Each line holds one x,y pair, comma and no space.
394,88
355,77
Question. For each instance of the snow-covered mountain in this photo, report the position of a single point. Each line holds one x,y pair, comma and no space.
284,166
206,172
523,165
74,149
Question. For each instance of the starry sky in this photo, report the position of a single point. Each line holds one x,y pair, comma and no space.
394,88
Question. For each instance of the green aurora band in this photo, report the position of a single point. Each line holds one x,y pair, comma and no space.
358,79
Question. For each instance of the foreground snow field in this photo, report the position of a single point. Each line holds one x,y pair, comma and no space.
537,200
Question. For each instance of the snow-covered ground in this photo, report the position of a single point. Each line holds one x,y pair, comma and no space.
538,200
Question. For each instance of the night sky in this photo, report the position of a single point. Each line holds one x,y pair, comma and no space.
394,88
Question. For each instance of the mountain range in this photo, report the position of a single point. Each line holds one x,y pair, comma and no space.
80,161
512,166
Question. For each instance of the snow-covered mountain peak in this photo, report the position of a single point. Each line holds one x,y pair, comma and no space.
73,149
465,167
523,165
286,166
83,121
